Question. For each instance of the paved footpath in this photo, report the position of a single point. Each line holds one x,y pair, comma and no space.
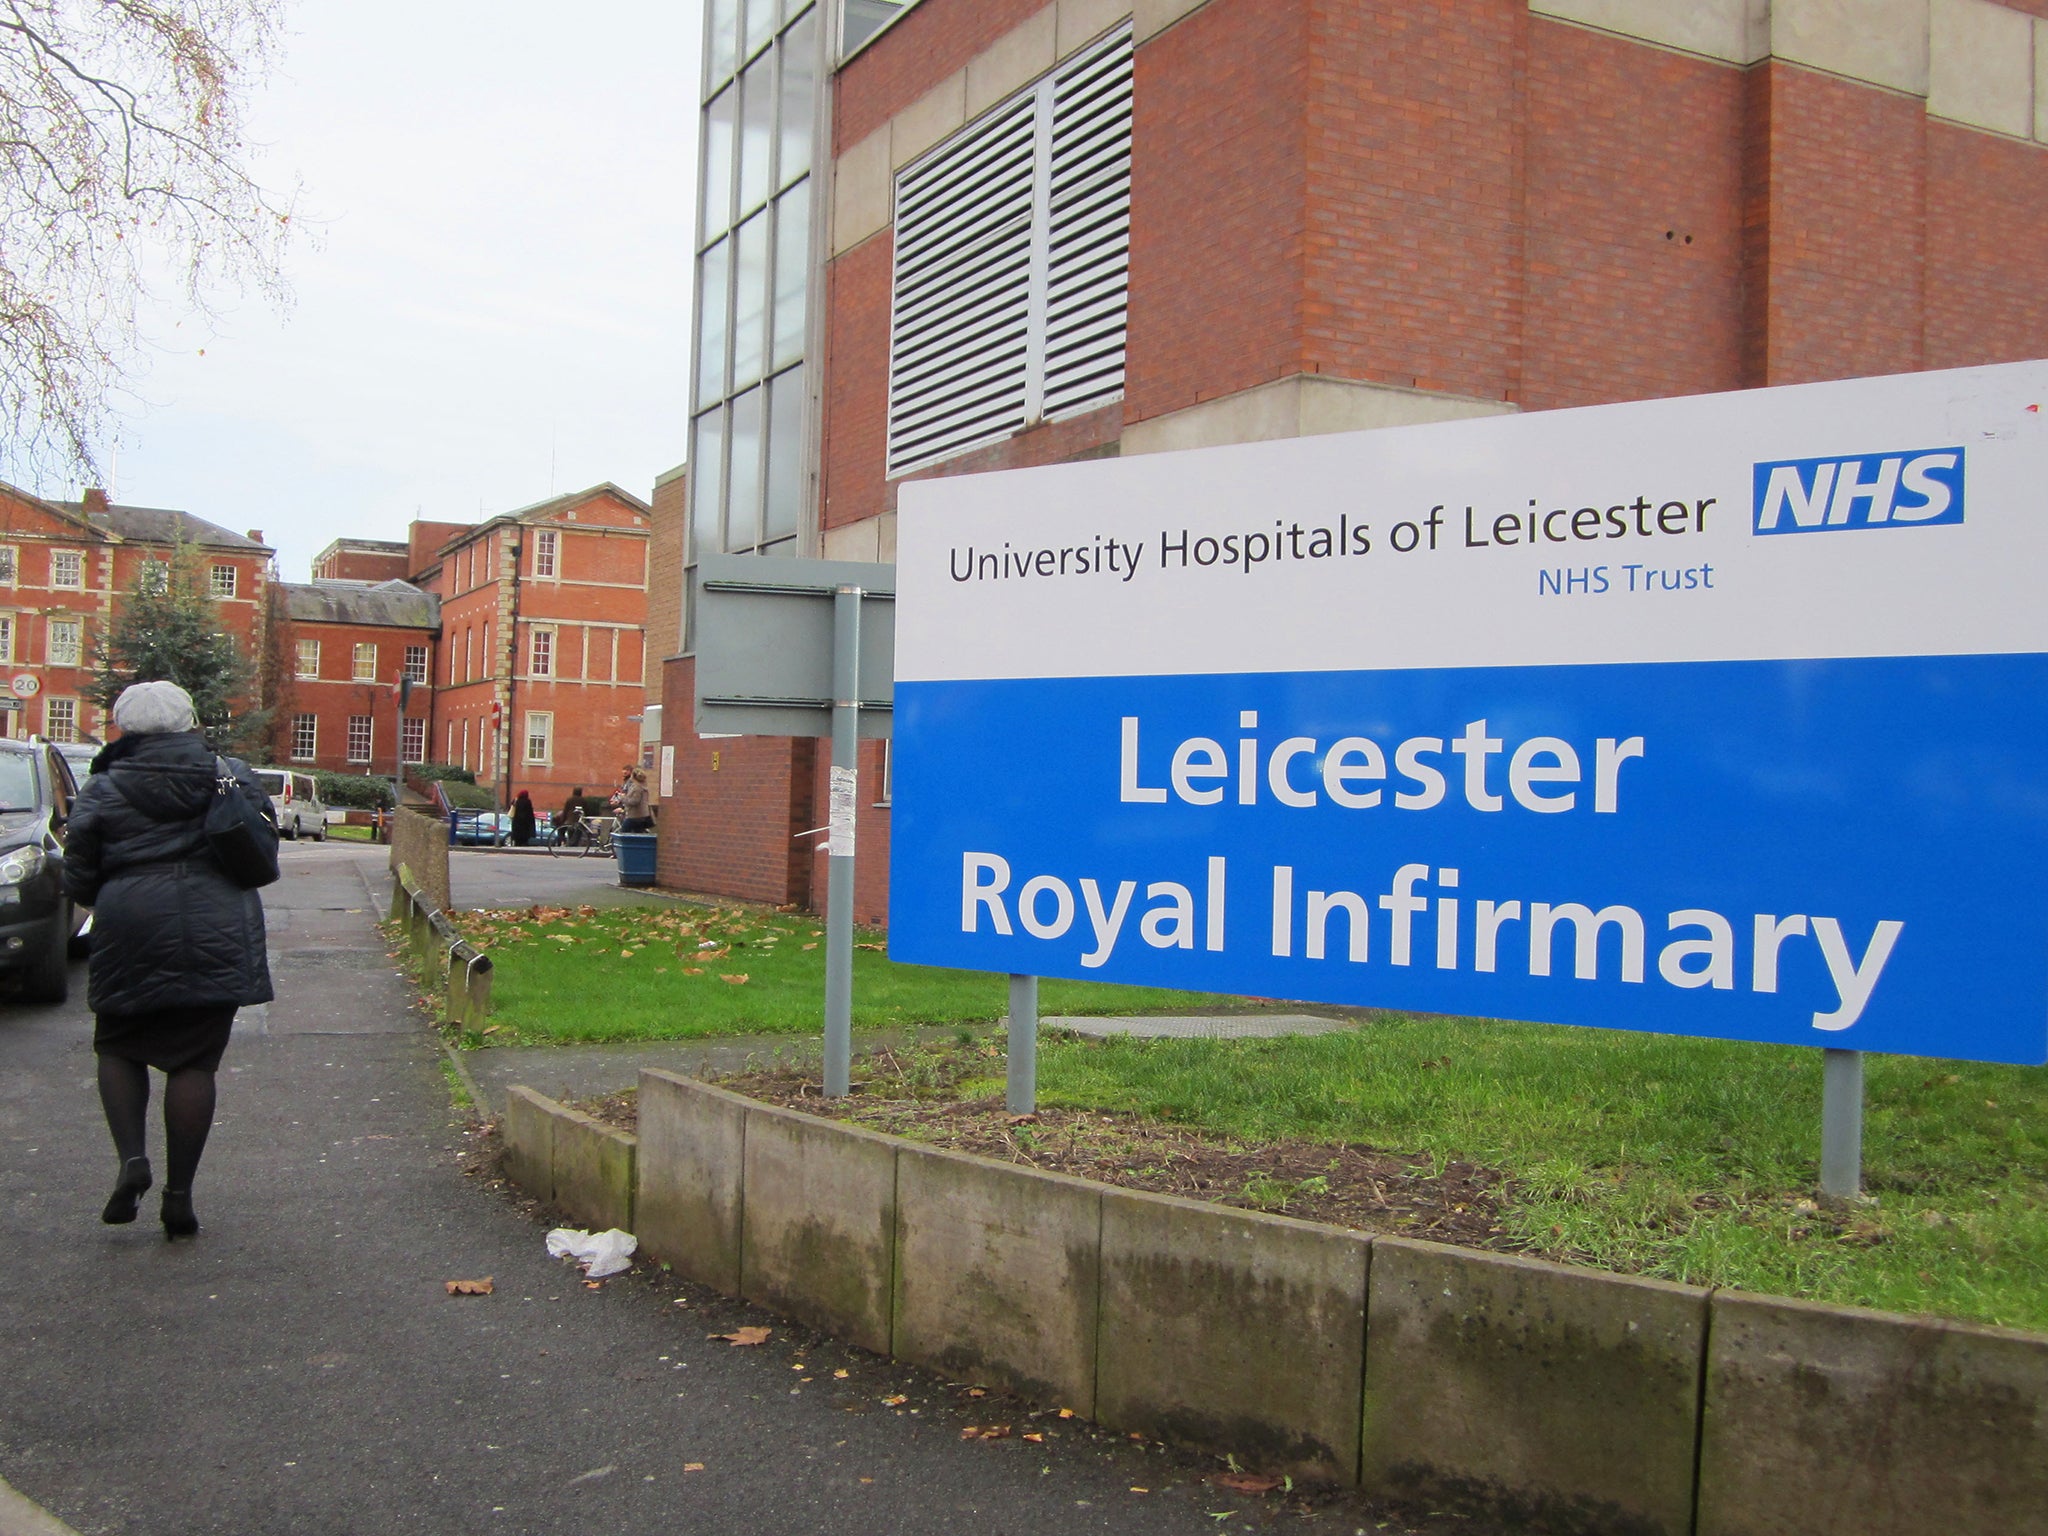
299,1369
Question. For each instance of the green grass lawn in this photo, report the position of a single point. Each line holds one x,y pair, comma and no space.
1690,1160
673,972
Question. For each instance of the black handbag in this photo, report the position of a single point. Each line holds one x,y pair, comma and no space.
241,836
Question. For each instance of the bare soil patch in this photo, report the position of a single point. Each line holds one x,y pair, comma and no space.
916,1094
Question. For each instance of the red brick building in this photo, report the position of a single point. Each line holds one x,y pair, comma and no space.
541,679
341,648
364,560
64,567
1270,218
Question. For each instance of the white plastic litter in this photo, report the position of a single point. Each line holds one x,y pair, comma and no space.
600,1253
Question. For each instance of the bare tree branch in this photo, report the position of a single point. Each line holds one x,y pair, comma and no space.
123,172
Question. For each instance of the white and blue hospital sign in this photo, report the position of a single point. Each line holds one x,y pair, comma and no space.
1719,716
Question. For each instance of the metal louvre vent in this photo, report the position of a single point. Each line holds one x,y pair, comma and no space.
1090,207
1012,252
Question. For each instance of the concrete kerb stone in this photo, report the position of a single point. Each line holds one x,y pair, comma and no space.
1837,1421
1568,1396
529,1132
1233,1331
594,1171
997,1275
688,1192
818,1224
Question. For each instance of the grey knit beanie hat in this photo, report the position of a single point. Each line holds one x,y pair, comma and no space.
154,709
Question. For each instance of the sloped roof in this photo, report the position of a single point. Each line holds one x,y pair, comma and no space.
159,525
396,603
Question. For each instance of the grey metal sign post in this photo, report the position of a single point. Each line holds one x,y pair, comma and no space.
805,648
1841,1123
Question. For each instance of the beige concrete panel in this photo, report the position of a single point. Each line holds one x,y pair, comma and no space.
1082,21
1255,415
1836,1421
1734,31
1339,405
885,537
2041,81
529,1132
854,541
1980,66
863,191
1012,61
1305,405
996,1275
1151,17
934,116
1234,1332
1880,42
819,1231
688,1194
1570,1395
593,1172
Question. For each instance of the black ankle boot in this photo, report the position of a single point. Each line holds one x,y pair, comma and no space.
127,1193
177,1214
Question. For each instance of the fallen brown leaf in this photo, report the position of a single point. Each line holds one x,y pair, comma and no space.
470,1287
1244,1482
746,1336
1035,1439
693,1466
896,1401
739,980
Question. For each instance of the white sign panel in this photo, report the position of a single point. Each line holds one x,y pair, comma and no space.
1712,716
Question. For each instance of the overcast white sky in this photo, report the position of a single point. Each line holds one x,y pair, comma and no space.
499,309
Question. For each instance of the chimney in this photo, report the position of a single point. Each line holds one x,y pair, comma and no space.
255,535
94,501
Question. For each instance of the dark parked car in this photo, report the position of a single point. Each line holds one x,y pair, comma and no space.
38,923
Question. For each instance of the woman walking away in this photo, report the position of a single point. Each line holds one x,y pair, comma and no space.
633,813
522,820
177,945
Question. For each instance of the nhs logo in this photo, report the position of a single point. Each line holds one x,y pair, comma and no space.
1879,490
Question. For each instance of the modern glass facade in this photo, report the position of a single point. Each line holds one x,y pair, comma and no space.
750,461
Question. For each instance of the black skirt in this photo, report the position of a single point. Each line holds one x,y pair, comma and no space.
170,1039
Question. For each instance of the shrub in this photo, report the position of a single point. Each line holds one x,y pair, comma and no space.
355,791
468,797
428,773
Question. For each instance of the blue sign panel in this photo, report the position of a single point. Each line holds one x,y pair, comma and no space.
1549,726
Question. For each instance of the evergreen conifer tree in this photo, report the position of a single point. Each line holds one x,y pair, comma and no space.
168,628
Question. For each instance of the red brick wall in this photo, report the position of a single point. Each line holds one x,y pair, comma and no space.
1218,203
363,565
729,827
1634,222
1413,244
927,45
870,836
336,694
1987,247
856,416
1844,202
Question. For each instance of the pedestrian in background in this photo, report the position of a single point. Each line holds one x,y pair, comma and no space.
522,820
177,946
633,812
569,826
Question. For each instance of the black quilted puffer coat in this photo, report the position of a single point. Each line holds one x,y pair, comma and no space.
170,929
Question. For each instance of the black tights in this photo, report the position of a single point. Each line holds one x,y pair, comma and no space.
188,1114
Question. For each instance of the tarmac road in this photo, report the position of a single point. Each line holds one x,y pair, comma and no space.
299,1368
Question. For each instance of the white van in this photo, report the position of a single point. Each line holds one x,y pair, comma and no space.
295,799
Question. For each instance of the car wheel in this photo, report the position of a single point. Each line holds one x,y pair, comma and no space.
291,831
321,835
48,977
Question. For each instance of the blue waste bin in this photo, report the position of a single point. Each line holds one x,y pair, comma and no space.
636,857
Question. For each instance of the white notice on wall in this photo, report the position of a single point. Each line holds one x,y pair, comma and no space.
839,842
668,772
